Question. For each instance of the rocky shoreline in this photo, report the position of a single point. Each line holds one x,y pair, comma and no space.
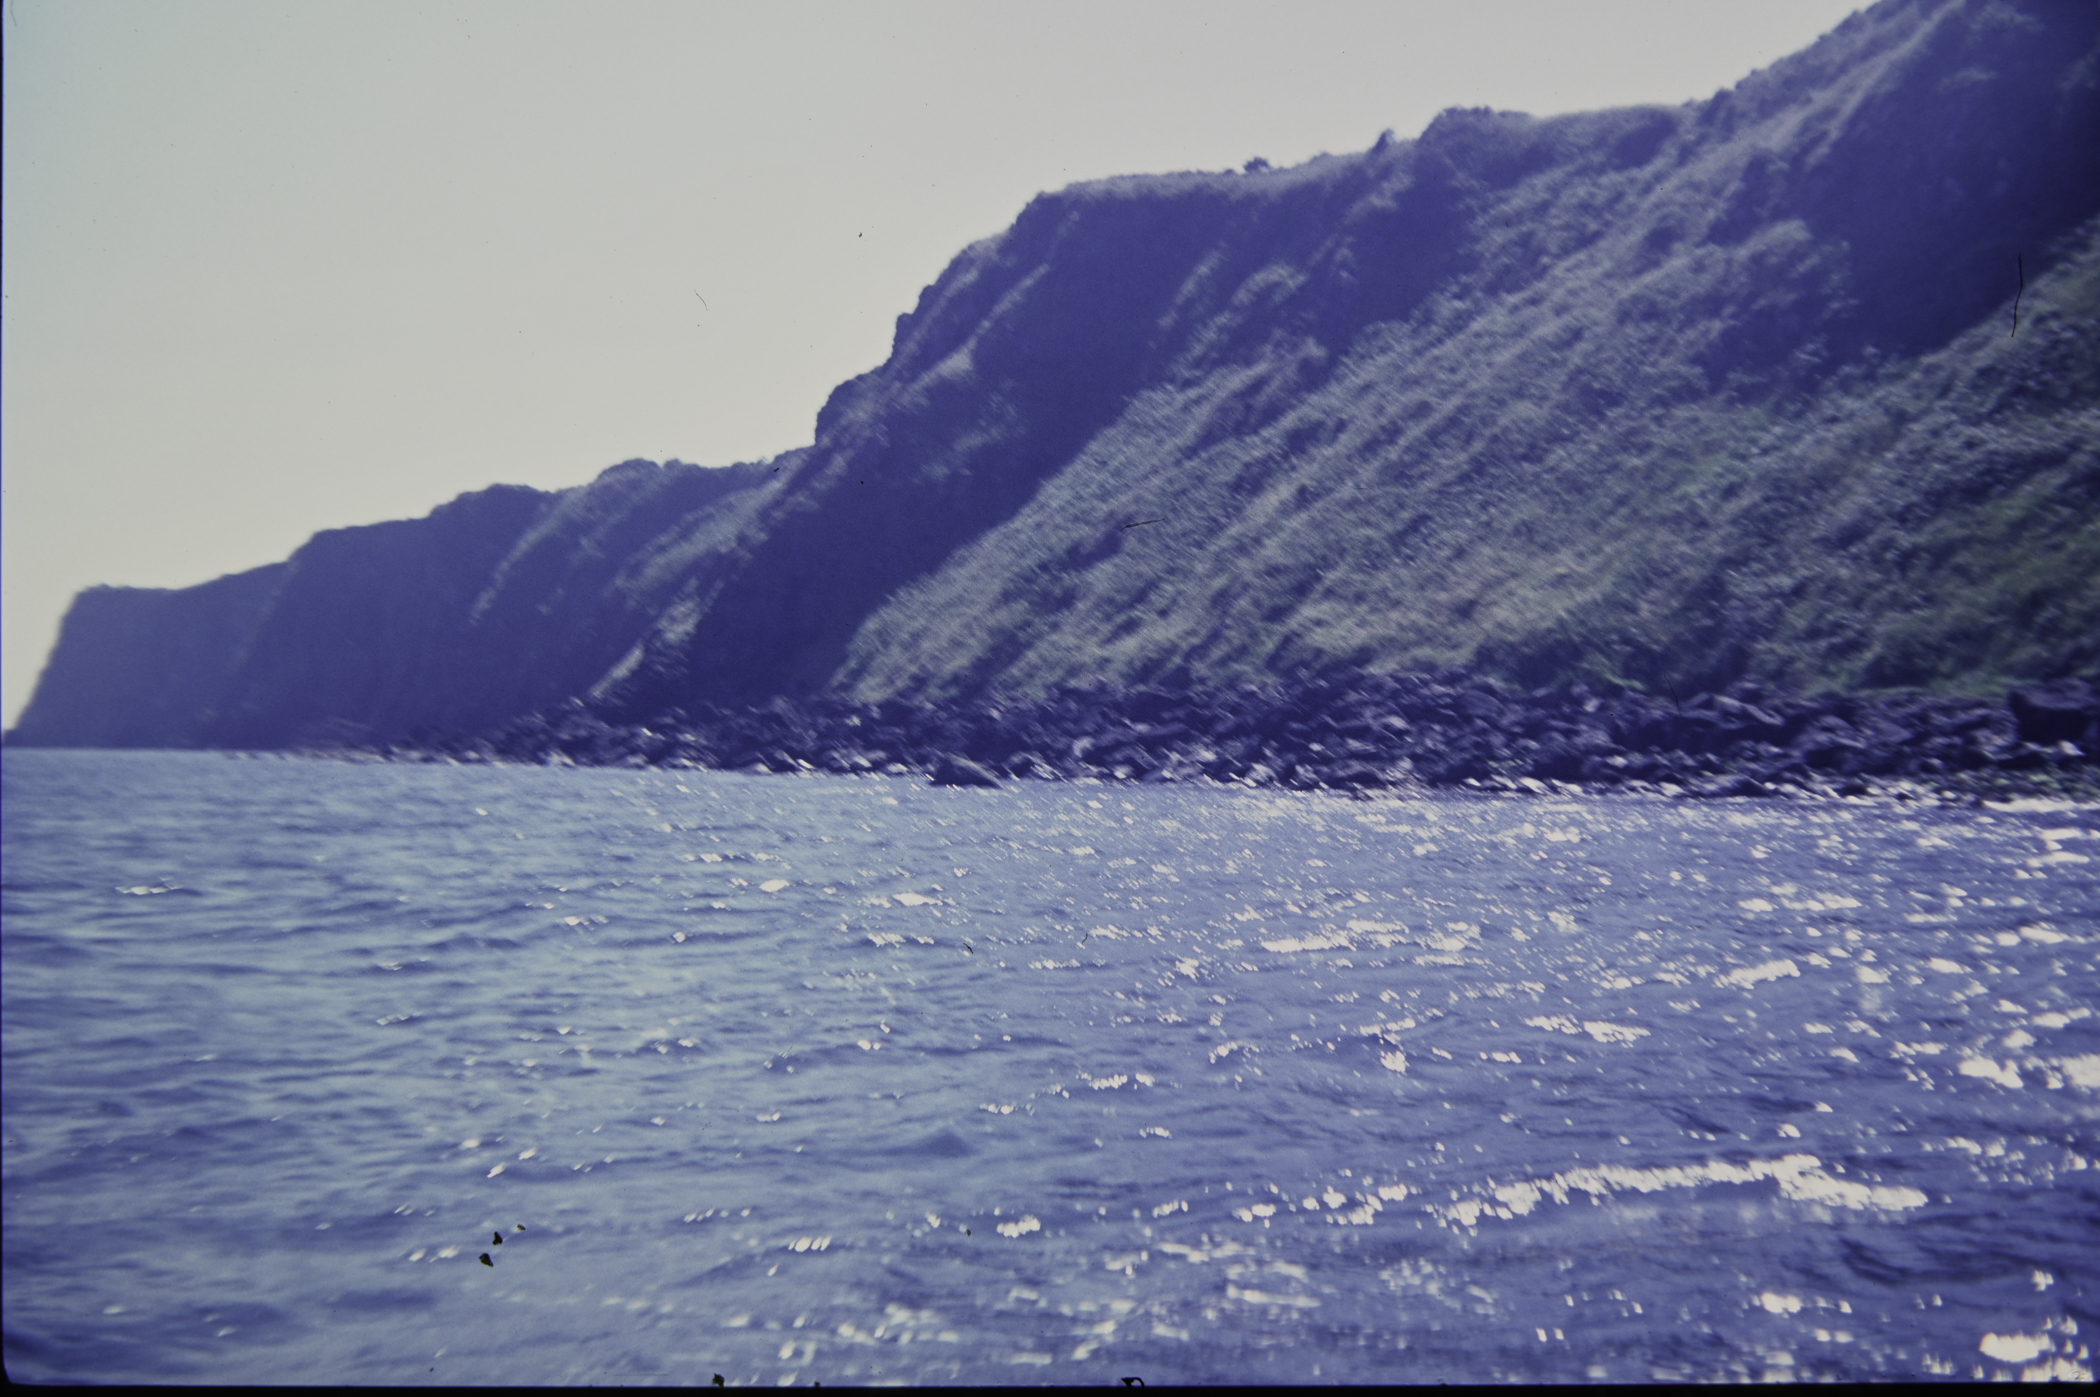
1364,733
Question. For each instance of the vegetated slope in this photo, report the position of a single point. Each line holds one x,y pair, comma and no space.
1659,396
1691,395
1937,523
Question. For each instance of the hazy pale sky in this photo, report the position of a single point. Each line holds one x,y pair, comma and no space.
278,267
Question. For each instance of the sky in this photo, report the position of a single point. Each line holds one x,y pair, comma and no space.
270,268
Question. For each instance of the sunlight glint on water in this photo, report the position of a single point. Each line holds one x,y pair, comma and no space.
833,1080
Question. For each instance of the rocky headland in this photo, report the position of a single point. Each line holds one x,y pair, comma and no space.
1626,429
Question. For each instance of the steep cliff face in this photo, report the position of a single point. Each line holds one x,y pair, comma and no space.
364,617
495,604
1658,396
145,667
577,586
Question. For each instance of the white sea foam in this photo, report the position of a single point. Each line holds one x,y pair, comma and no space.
2005,1074
2083,1070
1329,942
1757,974
1800,1177
2014,1348
1598,1029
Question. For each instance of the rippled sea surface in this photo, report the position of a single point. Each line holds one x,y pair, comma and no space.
861,1080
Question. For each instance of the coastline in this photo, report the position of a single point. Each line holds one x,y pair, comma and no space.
1361,734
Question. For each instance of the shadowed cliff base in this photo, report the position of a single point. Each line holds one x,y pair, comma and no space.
1362,733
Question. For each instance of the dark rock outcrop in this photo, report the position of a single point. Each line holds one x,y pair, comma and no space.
2067,711
1354,733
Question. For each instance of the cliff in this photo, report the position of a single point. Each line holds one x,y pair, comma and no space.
496,604
1659,397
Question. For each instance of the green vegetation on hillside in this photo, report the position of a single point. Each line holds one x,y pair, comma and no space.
1662,398
1657,420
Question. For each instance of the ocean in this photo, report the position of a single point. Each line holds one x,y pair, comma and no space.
823,1079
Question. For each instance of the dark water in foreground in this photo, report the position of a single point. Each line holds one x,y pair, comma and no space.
834,1080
